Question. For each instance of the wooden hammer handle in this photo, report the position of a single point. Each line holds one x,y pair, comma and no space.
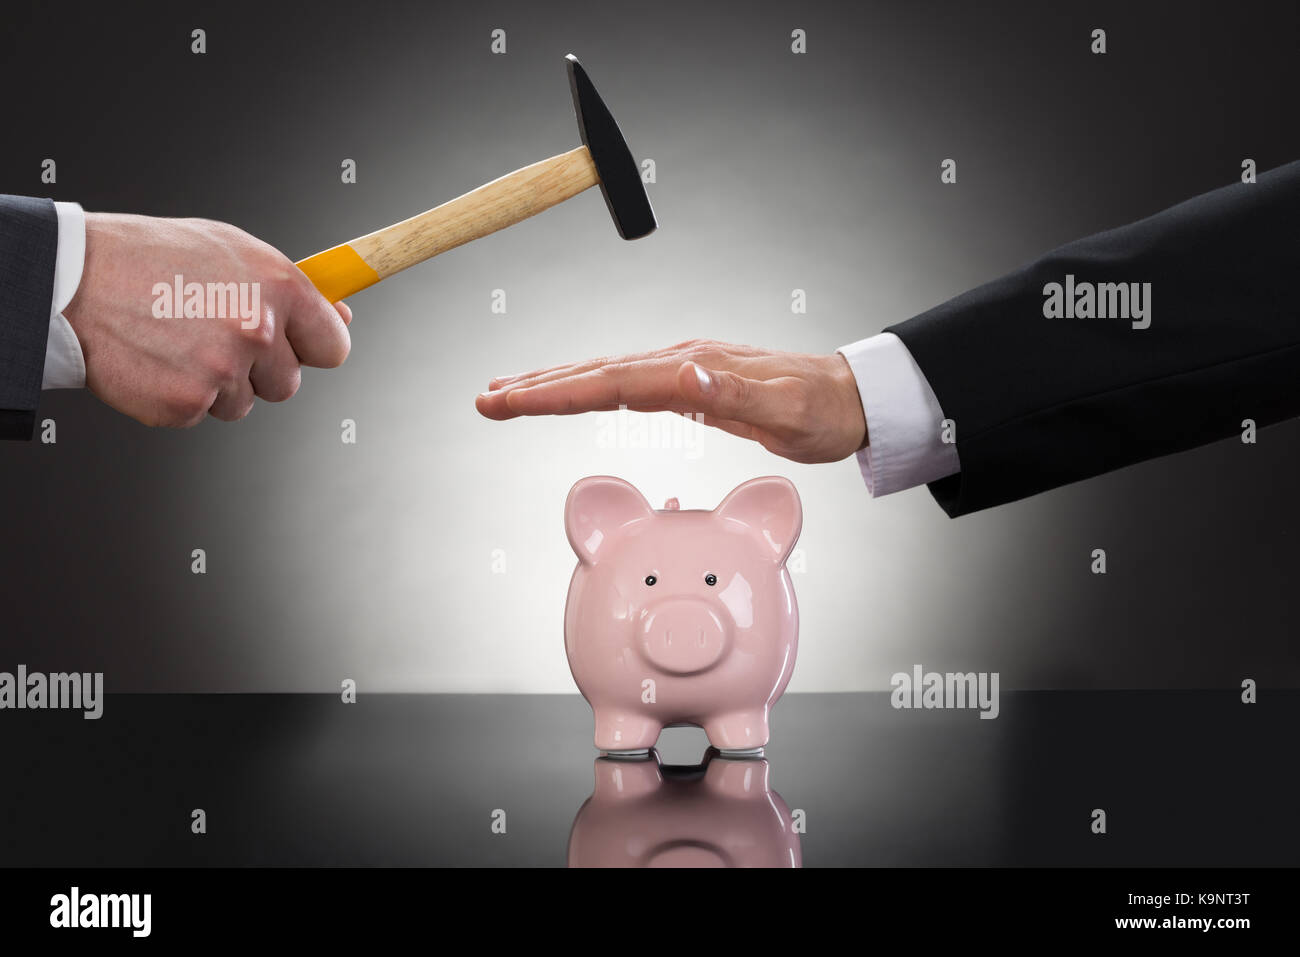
343,270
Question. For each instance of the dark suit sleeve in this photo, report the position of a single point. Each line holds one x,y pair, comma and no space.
1038,403
29,243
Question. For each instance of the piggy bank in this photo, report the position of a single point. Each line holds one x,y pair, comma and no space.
721,813
680,616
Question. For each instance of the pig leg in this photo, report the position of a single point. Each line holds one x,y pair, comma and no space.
738,730
625,730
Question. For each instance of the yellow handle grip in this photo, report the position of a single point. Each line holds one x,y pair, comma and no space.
339,272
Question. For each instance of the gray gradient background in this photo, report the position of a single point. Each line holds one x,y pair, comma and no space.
774,172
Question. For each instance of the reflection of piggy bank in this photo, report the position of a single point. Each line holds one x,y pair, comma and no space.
681,617
720,814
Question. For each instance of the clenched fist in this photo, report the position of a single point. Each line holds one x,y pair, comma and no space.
171,360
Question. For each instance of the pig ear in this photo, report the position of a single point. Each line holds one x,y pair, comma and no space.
597,507
770,507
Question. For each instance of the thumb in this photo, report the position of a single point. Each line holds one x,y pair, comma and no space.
316,329
726,395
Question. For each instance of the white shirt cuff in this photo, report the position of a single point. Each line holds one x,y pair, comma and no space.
904,421
65,365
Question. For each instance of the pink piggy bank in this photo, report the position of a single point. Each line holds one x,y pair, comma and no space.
681,616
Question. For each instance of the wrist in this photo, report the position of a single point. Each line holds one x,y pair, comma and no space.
847,386
75,310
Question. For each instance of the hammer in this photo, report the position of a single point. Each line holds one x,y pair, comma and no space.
603,158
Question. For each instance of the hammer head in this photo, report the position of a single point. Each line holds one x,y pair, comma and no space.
620,177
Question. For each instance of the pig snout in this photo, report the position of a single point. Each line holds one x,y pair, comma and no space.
683,635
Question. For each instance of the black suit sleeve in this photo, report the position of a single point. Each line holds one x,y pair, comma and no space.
1038,403
29,244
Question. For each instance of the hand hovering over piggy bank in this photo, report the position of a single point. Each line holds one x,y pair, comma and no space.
1054,373
806,408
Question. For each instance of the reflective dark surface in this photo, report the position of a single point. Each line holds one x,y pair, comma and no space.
721,812
1190,778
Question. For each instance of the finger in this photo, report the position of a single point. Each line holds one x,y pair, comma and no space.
639,387
750,363
725,353
234,401
344,311
761,404
496,382
538,376
316,329
276,375
492,405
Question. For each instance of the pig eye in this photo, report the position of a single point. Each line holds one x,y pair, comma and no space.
650,579
710,579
